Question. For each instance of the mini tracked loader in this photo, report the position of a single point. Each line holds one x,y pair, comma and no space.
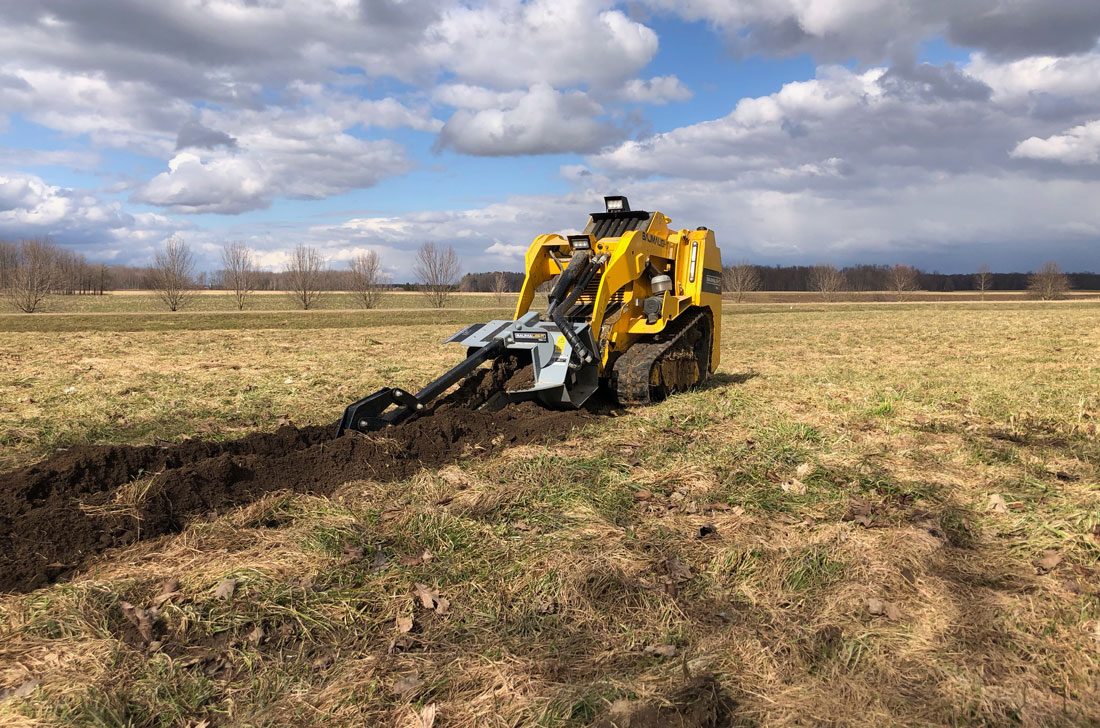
635,308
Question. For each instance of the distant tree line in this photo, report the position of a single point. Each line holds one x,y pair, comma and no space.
490,282
878,278
1048,283
33,269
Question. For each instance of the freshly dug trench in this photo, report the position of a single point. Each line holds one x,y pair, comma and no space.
56,515
699,703
87,469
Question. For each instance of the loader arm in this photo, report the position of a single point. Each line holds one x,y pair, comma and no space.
542,262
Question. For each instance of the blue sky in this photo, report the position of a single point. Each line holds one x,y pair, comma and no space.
940,135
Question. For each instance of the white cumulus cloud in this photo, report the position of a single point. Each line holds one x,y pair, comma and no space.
31,207
507,250
512,44
1079,145
875,30
542,121
656,90
308,159
224,183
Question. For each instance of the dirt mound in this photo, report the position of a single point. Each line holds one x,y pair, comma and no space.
698,704
91,468
56,515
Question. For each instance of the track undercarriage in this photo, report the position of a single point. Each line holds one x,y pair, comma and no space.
674,361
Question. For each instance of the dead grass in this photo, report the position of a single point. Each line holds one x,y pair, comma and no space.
892,427
90,387
139,302
222,301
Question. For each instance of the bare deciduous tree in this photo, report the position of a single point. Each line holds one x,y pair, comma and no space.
67,270
903,280
100,278
500,285
827,280
1049,283
9,259
437,269
983,279
303,276
238,271
368,280
33,274
173,274
739,279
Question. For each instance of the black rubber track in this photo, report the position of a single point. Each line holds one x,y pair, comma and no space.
632,371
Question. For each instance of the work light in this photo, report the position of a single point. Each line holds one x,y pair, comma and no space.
616,203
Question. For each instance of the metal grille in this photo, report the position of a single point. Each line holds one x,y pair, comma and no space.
582,309
589,295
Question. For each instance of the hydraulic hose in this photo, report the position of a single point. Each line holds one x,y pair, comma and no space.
567,330
576,265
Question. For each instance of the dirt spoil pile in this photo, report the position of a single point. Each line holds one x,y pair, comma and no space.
57,515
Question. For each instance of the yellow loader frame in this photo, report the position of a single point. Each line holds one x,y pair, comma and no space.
690,257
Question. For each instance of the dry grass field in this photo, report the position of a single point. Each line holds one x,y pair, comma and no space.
874,515
210,301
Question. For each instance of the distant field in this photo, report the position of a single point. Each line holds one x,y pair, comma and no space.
230,320
252,320
208,301
904,498
891,297
221,301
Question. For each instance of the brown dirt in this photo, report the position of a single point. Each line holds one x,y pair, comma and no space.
56,515
700,703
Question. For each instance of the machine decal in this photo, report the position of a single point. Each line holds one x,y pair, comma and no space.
712,281
531,337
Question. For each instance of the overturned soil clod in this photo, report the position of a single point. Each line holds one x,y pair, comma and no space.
57,514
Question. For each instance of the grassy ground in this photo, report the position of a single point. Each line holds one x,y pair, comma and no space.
248,320
899,507
146,302
210,301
